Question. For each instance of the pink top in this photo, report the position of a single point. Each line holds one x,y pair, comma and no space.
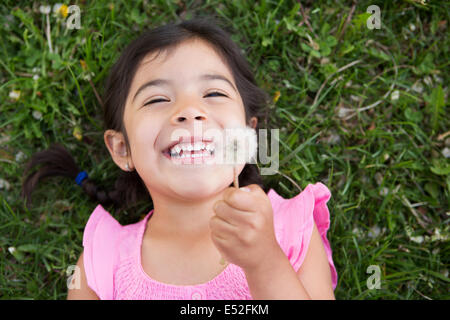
112,252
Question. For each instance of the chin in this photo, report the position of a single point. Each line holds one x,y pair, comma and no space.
200,188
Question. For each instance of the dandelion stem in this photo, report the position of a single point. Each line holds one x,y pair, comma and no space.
49,36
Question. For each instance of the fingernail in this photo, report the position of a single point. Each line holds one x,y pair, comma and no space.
245,189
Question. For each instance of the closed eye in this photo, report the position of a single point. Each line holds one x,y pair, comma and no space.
212,94
155,101
215,93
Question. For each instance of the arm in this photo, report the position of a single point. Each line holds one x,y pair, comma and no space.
277,279
84,292
315,272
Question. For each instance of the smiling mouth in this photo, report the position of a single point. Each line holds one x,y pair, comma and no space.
190,150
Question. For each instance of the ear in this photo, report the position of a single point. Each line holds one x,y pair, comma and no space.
115,142
253,122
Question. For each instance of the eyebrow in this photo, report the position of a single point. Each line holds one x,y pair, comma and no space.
165,82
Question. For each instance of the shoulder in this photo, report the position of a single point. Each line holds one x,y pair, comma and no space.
103,230
100,226
106,242
298,213
99,241
298,221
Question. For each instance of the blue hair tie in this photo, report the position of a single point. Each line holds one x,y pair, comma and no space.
80,177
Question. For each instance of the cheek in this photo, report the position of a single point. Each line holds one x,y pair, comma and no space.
142,137
230,115
240,114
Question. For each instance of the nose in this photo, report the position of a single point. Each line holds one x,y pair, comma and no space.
188,114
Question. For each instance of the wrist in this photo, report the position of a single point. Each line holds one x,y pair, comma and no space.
271,262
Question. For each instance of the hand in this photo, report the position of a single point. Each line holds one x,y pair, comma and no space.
242,229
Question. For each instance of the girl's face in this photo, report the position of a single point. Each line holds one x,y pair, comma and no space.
175,92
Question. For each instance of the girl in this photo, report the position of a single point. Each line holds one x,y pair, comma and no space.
176,77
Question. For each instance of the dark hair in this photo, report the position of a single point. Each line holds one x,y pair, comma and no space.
129,187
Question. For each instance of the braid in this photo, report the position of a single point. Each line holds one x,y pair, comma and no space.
57,161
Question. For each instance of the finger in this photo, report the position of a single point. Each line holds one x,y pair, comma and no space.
218,240
239,199
221,227
231,215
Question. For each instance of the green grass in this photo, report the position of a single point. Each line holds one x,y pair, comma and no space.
382,158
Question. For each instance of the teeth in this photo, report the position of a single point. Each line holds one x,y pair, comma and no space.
175,151
198,146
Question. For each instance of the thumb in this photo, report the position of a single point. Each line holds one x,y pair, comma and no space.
250,188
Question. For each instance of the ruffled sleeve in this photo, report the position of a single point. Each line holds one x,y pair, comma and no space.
294,221
100,240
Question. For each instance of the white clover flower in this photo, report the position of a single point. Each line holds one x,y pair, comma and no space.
428,81
446,152
15,95
417,87
45,9
35,77
287,84
395,95
418,239
20,156
412,27
4,184
384,191
374,232
88,76
37,114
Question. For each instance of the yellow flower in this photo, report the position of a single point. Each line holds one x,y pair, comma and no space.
277,96
15,95
63,11
77,133
83,64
